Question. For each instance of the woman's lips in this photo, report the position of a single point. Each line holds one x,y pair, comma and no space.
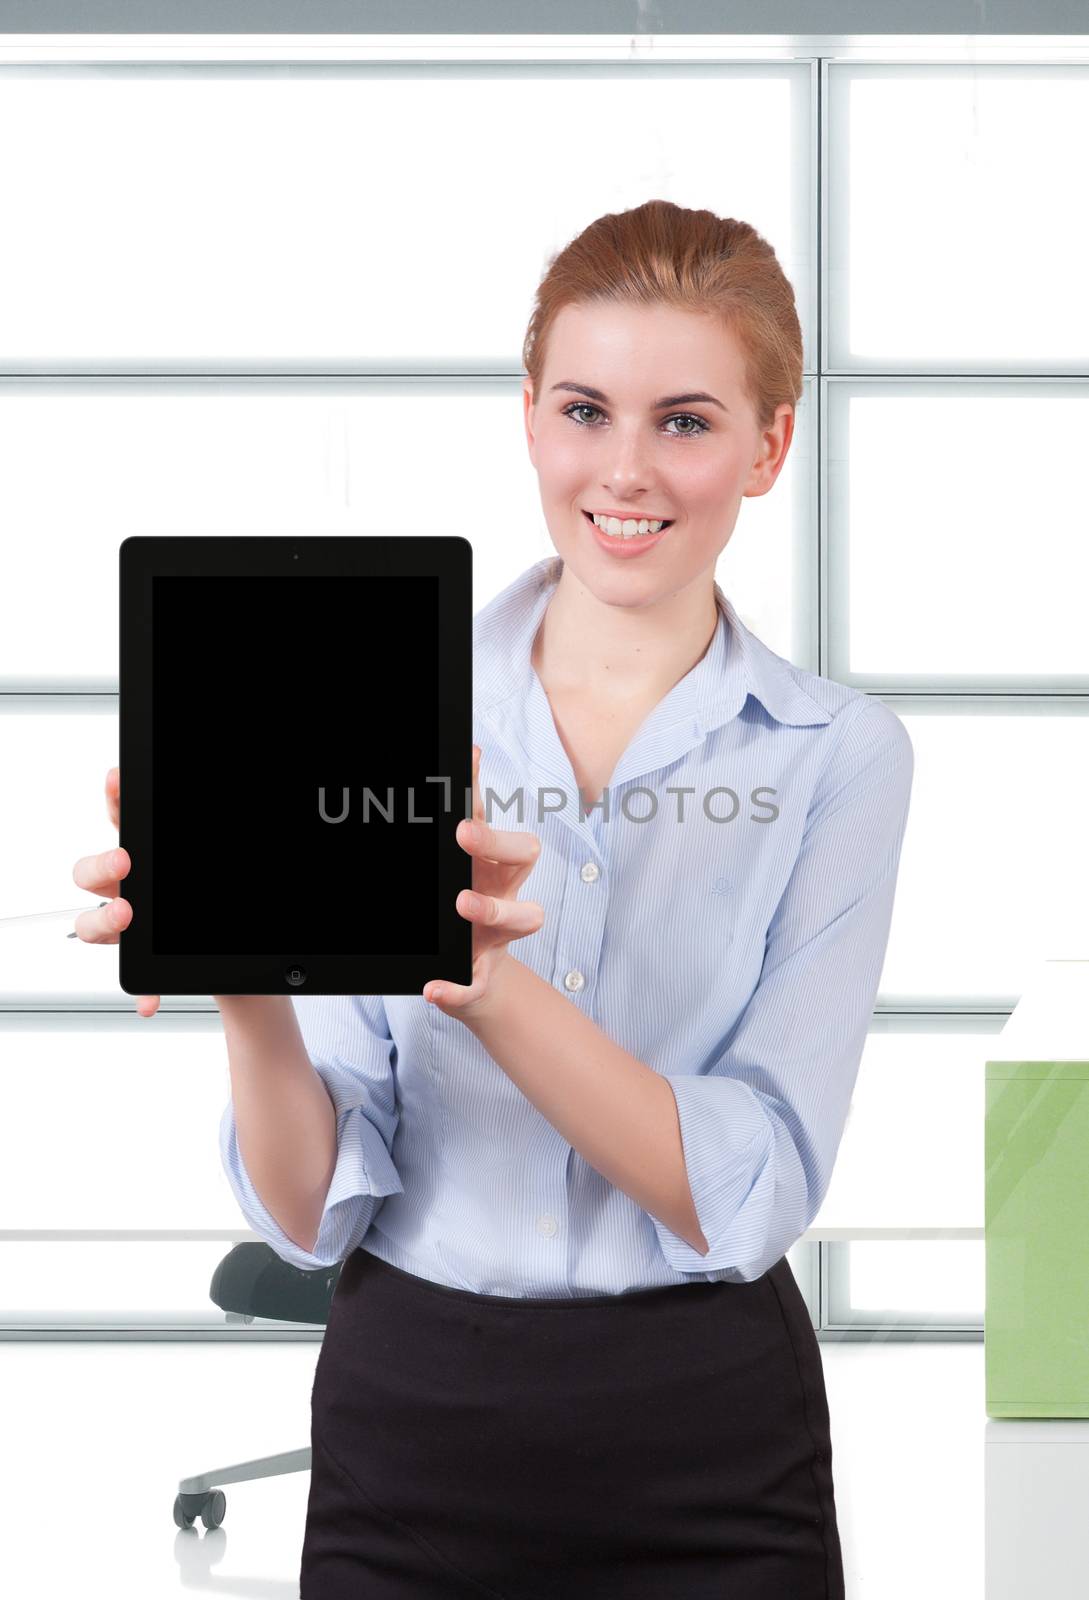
625,549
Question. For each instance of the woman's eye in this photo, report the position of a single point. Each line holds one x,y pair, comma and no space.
680,416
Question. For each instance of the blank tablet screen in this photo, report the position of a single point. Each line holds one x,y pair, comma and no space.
297,779
296,756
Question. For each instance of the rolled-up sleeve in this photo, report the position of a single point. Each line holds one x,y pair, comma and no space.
761,1126
347,1038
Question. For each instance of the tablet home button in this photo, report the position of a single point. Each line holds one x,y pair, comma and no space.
296,976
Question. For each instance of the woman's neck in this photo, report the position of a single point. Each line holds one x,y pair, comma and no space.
620,652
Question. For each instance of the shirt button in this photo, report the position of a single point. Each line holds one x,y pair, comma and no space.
590,871
547,1226
573,979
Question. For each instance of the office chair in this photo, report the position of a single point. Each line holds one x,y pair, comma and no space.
253,1281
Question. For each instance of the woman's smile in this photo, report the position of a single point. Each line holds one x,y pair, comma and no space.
616,544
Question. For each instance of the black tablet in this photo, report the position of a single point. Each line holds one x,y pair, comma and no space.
295,755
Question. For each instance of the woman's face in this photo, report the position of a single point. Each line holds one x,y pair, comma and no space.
618,450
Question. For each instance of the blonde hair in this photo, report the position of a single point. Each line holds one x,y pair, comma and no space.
664,254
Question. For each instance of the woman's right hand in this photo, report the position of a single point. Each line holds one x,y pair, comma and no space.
102,875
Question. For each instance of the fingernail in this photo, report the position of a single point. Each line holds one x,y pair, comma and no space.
472,903
474,832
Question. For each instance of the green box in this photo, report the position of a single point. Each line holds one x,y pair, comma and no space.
1036,1239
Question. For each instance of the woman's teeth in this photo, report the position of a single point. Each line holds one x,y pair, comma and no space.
629,529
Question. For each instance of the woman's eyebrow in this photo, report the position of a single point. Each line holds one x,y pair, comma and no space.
659,405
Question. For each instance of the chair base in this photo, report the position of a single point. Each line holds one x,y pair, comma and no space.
200,1497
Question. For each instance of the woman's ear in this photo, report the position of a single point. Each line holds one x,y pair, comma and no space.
528,415
775,445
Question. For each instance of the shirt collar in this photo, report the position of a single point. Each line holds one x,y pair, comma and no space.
735,664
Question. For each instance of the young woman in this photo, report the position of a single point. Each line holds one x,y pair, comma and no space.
566,1354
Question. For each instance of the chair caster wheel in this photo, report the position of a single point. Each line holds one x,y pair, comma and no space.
210,1508
215,1509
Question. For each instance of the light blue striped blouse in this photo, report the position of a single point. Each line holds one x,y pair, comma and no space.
726,923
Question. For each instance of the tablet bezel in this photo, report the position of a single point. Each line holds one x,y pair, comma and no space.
143,557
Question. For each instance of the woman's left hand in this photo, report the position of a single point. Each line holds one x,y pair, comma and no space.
502,861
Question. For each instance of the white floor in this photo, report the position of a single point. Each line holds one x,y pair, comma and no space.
97,1435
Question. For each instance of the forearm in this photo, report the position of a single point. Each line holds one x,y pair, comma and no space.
284,1117
612,1108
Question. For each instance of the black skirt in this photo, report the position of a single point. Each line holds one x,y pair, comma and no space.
665,1444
